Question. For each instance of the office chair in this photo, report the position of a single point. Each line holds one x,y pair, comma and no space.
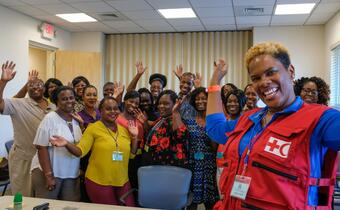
163,187
4,182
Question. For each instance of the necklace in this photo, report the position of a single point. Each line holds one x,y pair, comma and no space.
115,138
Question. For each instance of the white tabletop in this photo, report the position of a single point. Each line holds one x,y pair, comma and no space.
29,203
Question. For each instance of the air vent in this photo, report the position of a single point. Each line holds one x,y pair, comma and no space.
249,11
111,16
253,11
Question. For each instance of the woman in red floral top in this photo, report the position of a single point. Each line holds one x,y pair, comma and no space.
168,139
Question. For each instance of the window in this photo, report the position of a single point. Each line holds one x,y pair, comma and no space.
335,77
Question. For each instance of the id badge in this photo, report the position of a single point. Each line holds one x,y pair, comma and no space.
117,156
240,187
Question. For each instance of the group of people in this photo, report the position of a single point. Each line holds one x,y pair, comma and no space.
70,146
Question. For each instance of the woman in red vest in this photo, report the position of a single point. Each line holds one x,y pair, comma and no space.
274,155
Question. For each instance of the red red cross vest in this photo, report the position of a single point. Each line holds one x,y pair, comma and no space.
279,164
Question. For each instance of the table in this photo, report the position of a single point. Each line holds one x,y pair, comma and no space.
29,203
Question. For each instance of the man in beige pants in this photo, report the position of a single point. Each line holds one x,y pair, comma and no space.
26,115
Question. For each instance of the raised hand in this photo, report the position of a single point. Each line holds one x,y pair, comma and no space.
178,104
132,128
58,141
118,89
78,118
33,75
198,80
140,68
220,70
8,72
140,116
179,71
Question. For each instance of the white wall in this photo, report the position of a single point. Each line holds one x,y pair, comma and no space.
332,39
305,45
16,32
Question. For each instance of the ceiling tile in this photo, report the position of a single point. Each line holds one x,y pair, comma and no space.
218,21
327,8
184,22
142,14
130,5
245,27
289,19
75,1
93,26
211,3
131,30
296,1
12,3
29,10
57,8
320,18
214,12
329,1
163,28
220,27
33,2
247,20
120,24
71,27
169,4
53,19
240,10
190,28
159,22
253,2
100,7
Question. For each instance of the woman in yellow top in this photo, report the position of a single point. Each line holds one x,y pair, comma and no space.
106,177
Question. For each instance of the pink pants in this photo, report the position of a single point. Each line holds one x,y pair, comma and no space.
108,194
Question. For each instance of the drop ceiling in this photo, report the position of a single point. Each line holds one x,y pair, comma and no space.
141,16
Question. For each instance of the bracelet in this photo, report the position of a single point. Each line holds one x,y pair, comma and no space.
49,173
214,88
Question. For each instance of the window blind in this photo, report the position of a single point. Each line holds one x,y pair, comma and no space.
335,77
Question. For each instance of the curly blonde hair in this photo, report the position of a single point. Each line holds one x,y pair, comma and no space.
276,50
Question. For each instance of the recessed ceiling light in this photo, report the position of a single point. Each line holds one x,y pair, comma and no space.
177,13
76,17
294,9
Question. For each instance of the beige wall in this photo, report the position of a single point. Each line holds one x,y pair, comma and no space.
305,44
37,61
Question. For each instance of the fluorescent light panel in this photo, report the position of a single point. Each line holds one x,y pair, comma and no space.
294,9
177,13
76,17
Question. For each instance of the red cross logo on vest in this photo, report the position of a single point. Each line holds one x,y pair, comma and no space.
278,147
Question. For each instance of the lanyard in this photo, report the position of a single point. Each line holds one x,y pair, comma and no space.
252,143
70,126
114,138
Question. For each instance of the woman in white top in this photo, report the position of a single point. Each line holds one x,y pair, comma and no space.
54,170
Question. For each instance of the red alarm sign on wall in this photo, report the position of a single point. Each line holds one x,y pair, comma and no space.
47,31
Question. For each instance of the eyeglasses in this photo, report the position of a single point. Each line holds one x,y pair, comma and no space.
35,85
310,92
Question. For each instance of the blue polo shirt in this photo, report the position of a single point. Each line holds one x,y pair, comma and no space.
326,135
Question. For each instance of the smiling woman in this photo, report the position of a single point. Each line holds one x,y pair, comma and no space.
50,178
261,146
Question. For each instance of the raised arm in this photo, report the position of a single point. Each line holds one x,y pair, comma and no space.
176,116
59,141
140,71
179,71
7,75
32,75
118,90
214,104
133,131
